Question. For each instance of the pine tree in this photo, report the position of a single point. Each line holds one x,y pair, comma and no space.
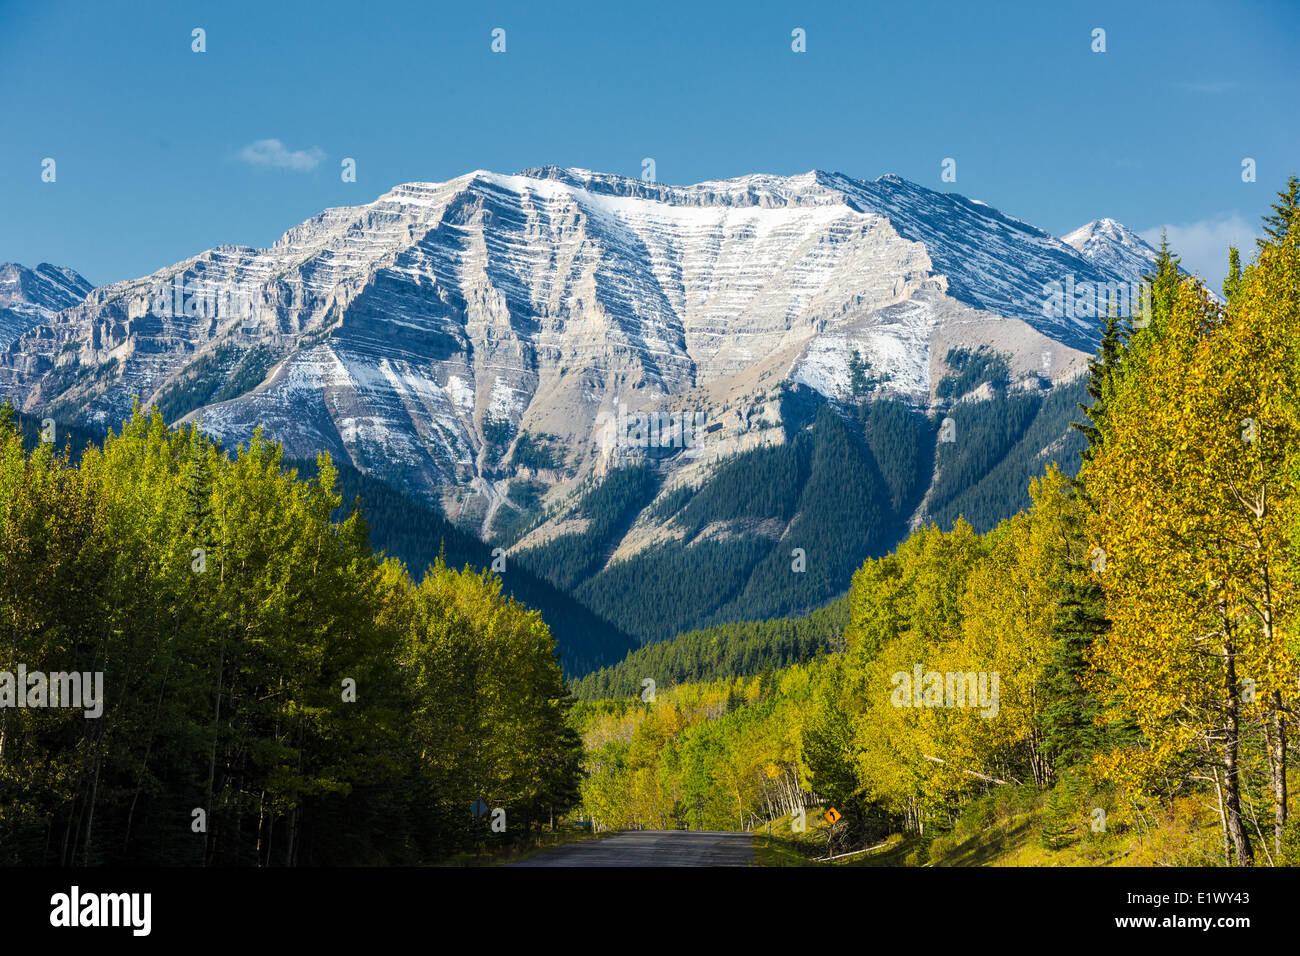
1232,283
1070,733
1164,279
8,419
198,490
1101,374
1056,832
1286,215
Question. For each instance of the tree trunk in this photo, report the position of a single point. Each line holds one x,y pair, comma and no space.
212,761
1278,761
90,816
1231,781
1223,817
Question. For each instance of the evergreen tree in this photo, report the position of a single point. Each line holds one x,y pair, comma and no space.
198,489
1163,280
8,419
1102,369
1070,733
1285,217
1232,283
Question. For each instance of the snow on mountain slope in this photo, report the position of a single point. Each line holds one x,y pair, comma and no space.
30,296
1113,246
419,334
991,261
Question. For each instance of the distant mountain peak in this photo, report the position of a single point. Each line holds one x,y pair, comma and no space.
30,296
1110,244
1102,230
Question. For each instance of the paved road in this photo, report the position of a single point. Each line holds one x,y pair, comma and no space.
652,848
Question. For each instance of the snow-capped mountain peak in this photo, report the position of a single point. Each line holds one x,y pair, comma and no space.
30,296
420,334
1112,245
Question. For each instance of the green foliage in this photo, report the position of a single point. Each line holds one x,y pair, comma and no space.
198,384
511,522
841,493
248,374
1164,278
416,533
497,433
1102,369
669,504
672,587
861,382
714,756
70,438
525,494
1152,695
972,368
609,510
71,375
1001,444
763,483
535,452
743,649
902,442
824,489
1285,218
226,680
1070,731
1232,281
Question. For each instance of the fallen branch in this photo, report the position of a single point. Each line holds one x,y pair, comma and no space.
980,776
840,856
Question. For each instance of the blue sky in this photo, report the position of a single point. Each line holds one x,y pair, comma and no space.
156,159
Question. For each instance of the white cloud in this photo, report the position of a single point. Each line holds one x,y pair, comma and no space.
271,152
1203,246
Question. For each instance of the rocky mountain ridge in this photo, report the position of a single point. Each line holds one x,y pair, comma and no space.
456,338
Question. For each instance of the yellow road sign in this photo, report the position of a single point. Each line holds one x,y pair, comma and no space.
832,815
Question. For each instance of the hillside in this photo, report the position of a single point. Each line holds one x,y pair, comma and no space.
778,530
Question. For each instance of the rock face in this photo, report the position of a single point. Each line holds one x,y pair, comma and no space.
428,336
31,296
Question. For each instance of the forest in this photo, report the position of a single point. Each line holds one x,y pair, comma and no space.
843,486
1138,623
273,692
738,649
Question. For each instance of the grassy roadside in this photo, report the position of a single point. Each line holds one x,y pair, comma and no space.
787,851
1014,829
782,846
513,853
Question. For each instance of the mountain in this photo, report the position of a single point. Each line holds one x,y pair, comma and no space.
31,296
717,653
404,528
651,394
1112,246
